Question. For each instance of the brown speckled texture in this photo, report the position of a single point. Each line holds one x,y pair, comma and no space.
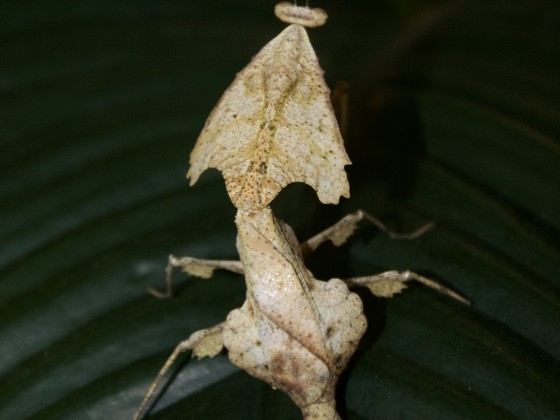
273,126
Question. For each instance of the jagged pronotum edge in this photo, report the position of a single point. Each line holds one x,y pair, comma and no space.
273,126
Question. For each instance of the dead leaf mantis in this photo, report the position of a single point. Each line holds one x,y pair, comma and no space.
273,126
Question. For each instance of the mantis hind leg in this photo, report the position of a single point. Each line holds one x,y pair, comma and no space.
208,342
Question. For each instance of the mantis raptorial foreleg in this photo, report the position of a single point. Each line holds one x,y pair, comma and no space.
203,343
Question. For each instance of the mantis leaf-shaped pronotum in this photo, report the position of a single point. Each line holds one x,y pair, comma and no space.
273,126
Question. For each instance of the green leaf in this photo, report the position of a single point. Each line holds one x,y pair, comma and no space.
455,119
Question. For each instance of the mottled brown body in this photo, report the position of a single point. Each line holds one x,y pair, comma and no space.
289,332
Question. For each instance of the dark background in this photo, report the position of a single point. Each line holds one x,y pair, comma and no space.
454,119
